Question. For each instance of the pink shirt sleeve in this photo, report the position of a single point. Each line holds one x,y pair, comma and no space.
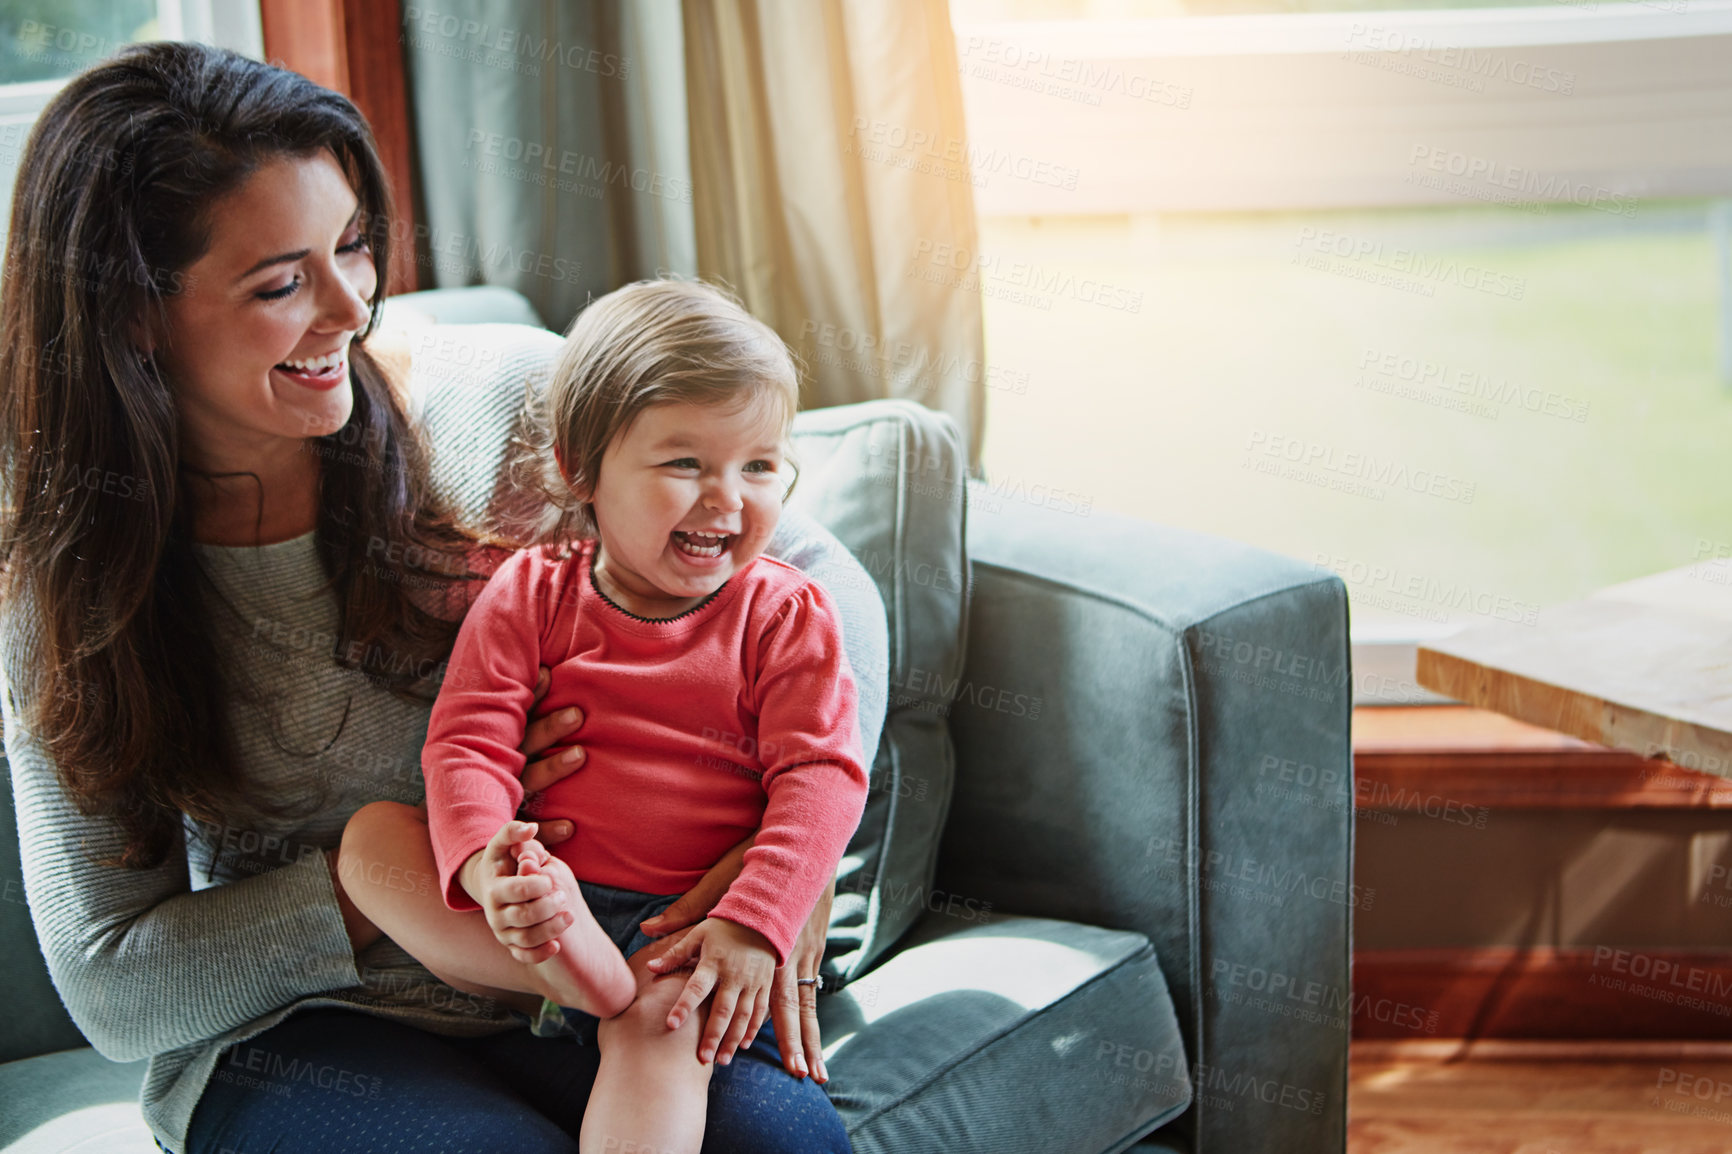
814,774
471,761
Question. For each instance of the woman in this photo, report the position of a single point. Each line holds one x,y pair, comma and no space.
234,566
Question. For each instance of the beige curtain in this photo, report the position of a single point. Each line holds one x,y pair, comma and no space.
831,191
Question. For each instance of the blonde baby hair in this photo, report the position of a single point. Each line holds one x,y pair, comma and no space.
648,343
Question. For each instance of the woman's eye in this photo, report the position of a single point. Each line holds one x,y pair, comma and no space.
359,244
279,293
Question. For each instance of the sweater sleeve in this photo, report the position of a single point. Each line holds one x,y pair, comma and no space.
472,760
144,963
814,774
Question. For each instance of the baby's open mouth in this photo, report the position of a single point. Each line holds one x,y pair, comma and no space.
701,544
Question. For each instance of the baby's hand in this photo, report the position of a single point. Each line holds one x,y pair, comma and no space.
531,856
523,905
735,961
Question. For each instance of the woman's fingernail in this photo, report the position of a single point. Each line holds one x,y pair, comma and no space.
572,755
567,716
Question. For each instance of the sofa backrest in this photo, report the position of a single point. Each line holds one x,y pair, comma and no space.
887,478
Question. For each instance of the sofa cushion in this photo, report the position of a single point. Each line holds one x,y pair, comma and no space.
72,1100
1005,1034
886,478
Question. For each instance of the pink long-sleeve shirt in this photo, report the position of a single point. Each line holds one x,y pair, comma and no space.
735,716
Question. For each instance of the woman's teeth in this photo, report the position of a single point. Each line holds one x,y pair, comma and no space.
701,544
314,366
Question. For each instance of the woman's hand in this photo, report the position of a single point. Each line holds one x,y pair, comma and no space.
738,964
538,775
793,1007
696,903
526,913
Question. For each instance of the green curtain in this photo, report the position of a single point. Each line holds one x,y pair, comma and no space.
551,146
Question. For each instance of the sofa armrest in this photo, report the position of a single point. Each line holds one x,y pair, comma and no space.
1152,733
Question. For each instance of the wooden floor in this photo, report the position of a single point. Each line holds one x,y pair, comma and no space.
1437,1097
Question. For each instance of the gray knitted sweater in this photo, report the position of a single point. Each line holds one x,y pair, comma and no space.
222,942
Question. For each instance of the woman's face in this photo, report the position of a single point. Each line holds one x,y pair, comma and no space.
256,349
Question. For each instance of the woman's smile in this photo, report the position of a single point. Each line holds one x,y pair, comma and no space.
317,373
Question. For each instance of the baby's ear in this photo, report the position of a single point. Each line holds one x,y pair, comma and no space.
582,490
559,463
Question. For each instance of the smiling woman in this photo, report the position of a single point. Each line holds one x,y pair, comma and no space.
258,347
163,200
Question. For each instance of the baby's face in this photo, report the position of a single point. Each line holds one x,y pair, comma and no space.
687,497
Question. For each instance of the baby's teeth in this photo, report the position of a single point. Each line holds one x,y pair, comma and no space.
703,544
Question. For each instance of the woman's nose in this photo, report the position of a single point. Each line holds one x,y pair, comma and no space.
345,307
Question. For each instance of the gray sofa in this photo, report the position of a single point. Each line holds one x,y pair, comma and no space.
1109,903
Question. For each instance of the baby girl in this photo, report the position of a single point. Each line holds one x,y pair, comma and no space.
718,698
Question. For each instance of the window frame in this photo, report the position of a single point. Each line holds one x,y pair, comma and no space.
233,24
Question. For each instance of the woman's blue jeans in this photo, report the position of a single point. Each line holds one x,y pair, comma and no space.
334,1079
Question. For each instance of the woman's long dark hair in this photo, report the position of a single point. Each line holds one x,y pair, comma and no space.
111,208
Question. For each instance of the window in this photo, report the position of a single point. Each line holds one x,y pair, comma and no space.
1436,300
43,42
53,39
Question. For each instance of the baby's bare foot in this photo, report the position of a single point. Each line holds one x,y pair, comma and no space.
588,973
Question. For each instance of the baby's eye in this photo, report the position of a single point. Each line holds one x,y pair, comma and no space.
761,467
681,463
